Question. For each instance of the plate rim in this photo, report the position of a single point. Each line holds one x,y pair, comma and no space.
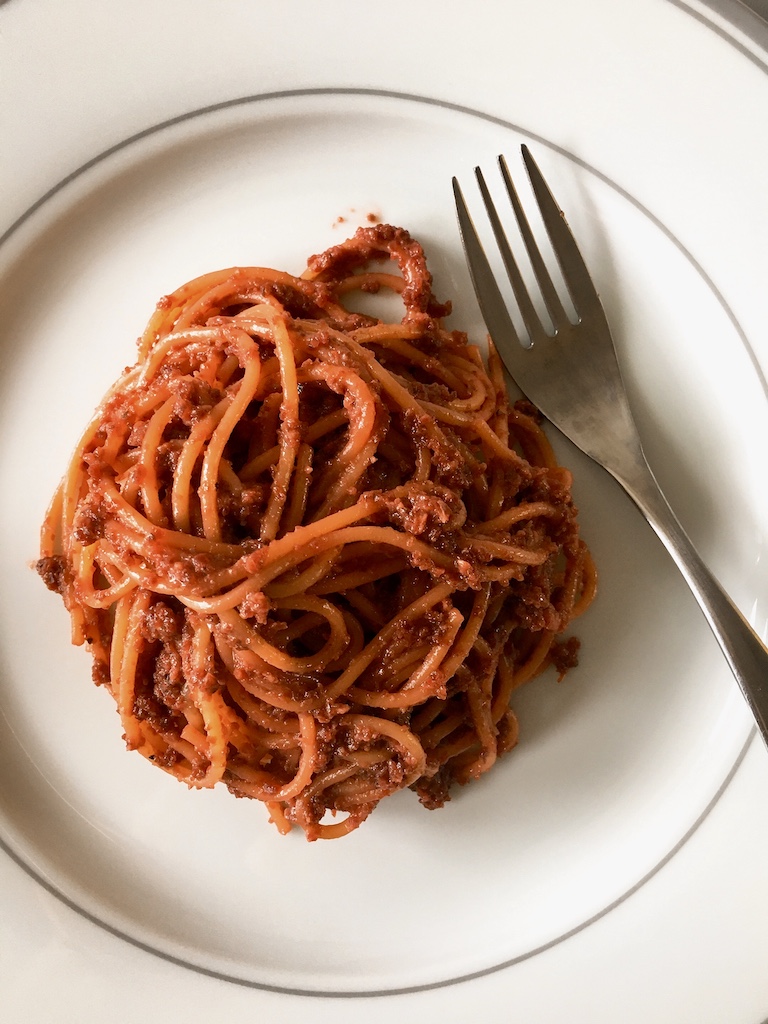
747,16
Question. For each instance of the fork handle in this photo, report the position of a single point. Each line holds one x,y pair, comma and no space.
745,652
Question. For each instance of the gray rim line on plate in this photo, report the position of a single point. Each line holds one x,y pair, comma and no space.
539,140
748,16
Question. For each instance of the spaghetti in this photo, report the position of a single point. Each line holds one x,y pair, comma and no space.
313,553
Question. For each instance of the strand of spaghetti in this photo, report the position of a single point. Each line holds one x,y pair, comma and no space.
126,646
157,745
86,439
506,684
215,366
479,406
166,314
520,513
355,578
485,727
162,348
351,472
140,405
356,634
211,460
479,427
570,587
271,566
363,438
425,682
116,654
214,713
84,565
464,762
229,477
499,447
460,742
298,541
303,536
588,584
254,676
233,286
325,425
339,828
190,452
398,670
149,487
141,575
509,552
360,786
333,776
393,388
243,780
307,580
410,354
470,632
480,399
423,465
227,369
150,743
383,333
260,784
532,439
258,713
358,791
366,610
302,478
423,716
370,281
72,486
278,818
358,402
198,597
193,730
378,644
435,735
269,394
536,660
297,628
497,493
132,518
271,655
315,606
289,431
502,574
398,734
308,733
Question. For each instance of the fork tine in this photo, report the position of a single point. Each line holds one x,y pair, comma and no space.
548,290
580,284
492,304
523,299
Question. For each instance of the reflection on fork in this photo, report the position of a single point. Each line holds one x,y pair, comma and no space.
571,373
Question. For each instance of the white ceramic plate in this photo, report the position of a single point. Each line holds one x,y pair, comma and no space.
617,768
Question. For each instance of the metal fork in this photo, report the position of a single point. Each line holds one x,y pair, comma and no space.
573,377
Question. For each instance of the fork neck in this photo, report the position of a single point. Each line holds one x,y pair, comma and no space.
631,469
636,477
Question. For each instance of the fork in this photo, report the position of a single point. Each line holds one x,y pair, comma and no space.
572,375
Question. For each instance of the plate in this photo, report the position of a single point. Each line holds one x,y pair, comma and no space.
617,768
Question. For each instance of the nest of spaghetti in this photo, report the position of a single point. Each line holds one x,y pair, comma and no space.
311,552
